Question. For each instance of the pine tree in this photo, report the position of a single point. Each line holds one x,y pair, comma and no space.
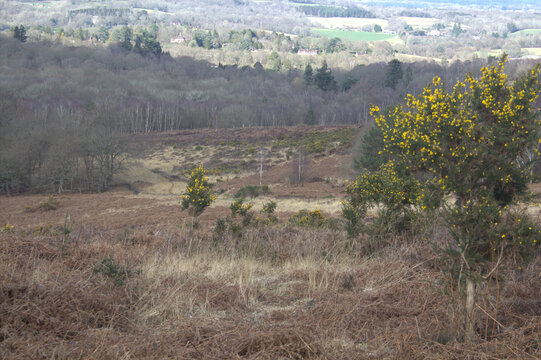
394,73
324,79
19,33
308,73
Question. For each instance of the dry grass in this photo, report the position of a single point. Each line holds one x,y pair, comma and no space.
277,293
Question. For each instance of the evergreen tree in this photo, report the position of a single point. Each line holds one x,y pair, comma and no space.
19,33
310,118
324,79
126,34
457,29
394,73
349,81
308,75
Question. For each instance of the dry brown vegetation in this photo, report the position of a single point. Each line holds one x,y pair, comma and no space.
118,276
279,292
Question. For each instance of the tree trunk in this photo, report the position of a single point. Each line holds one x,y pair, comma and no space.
470,301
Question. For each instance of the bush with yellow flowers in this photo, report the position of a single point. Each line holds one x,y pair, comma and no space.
308,218
468,142
198,194
392,188
8,229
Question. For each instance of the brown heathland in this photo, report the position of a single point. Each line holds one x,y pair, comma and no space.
120,276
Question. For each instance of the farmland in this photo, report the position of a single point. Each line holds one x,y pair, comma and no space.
526,32
354,35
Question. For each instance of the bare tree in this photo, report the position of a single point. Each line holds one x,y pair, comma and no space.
300,161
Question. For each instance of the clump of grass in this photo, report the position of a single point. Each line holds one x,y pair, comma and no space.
127,237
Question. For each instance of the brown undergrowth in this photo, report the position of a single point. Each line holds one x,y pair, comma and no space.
279,292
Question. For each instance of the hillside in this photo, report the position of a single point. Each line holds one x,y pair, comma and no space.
120,274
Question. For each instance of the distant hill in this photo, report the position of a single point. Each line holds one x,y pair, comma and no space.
502,4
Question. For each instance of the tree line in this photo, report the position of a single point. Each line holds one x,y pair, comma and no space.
335,11
65,110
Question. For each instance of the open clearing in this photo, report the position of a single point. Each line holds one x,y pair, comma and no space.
353,35
526,32
233,157
532,51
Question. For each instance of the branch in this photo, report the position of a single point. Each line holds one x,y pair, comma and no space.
497,263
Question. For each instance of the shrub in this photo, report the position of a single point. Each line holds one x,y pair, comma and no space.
269,207
8,229
394,189
110,269
50,204
252,191
238,207
467,142
198,194
306,218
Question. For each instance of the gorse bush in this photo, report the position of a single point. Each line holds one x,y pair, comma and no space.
463,145
398,193
8,229
50,204
198,194
307,218
243,217
468,140
238,207
269,207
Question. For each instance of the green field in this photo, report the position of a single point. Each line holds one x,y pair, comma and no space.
527,32
353,35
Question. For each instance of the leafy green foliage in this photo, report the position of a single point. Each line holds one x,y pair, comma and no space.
393,188
468,140
371,156
198,194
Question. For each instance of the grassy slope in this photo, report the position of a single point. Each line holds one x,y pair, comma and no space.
353,35
526,32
